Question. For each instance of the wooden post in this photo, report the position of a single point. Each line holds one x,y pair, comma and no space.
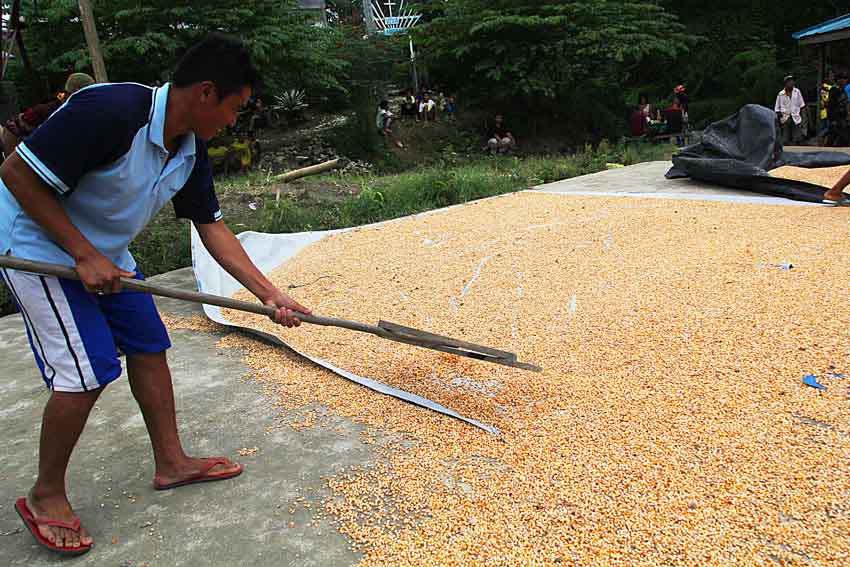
87,15
821,77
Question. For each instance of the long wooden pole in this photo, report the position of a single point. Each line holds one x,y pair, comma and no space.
384,330
87,15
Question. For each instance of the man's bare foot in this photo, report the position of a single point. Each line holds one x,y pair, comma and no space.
56,508
191,468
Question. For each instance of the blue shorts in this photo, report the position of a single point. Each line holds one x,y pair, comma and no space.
75,335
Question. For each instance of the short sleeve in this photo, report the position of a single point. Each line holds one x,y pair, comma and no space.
197,200
95,127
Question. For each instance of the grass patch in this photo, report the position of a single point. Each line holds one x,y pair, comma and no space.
164,245
450,183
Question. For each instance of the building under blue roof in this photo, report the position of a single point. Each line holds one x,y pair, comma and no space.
825,32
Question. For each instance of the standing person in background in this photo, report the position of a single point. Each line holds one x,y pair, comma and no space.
384,122
681,100
451,107
837,111
684,101
823,116
845,87
789,104
22,125
681,95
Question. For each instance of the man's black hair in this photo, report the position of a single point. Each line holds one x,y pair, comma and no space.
384,104
221,59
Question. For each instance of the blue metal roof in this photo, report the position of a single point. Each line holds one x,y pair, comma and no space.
834,25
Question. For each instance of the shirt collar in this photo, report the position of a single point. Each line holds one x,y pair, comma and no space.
156,130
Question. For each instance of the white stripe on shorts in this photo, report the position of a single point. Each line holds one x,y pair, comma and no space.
54,323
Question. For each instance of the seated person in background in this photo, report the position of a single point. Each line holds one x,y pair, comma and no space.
409,108
259,114
22,125
637,123
384,121
428,108
501,140
645,108
639,117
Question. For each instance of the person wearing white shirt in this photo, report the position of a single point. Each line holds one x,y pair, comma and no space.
789,104
428,108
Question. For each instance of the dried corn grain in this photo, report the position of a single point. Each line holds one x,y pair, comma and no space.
670,426
823,176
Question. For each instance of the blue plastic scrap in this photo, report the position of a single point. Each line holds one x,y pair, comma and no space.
835,375
812,380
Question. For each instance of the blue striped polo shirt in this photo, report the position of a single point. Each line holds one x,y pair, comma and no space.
103,153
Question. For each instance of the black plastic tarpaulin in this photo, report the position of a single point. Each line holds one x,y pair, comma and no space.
738,152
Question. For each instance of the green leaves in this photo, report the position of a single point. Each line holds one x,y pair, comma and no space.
142,41
527,48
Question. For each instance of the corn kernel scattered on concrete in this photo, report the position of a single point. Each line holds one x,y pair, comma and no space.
670,425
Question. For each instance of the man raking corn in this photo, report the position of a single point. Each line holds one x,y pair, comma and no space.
76,192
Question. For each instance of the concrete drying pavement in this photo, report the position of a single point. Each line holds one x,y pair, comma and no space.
646,180
241,521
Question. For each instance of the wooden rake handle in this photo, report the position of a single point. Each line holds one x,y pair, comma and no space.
12,263
384,330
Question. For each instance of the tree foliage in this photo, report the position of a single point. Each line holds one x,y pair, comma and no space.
532,48
142,40
573,64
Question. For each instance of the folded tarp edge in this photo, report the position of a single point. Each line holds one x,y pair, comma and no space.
269,251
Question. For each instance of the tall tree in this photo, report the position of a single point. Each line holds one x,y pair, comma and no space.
536,54
141,40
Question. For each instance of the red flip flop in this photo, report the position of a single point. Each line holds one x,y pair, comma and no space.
33,524
202,476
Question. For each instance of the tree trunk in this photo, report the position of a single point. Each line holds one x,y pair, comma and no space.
87,15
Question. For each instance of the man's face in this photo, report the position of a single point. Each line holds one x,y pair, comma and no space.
789,85
214,113
499,120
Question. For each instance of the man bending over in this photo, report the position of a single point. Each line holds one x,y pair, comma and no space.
76,192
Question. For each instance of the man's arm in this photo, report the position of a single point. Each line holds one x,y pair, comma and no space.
223,245
41,204
837,191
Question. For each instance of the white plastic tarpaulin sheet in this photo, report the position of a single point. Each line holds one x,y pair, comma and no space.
269,251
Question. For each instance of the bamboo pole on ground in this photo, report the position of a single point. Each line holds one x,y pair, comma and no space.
303,172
